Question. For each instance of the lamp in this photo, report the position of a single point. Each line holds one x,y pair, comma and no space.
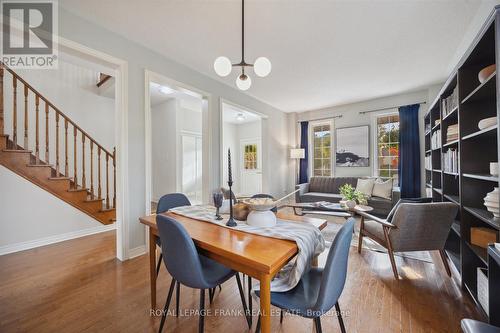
297,154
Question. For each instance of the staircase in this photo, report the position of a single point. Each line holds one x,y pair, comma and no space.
82,173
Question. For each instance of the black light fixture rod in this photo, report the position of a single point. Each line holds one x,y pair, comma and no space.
242,31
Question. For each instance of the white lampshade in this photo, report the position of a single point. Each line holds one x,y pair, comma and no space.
243,84
297,153
222,66
262,67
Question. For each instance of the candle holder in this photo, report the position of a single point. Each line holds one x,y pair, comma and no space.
230,222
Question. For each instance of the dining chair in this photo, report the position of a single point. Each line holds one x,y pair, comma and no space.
475,326
190,268
166,202
411,227
320,288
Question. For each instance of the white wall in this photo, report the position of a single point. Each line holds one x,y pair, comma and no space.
351,117
275,129
33,217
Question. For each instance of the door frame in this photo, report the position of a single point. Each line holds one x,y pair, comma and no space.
119,69
150,76
263,137
180,158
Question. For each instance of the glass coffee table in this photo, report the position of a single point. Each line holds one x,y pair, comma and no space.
327,208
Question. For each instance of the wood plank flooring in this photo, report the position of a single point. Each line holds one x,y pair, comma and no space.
79,286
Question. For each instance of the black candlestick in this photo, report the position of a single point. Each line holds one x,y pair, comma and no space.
230,222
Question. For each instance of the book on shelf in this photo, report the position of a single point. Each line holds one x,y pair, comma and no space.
449,103
428,162
450,161
452,133
436,139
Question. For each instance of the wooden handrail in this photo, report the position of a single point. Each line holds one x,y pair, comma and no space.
36,92
87,156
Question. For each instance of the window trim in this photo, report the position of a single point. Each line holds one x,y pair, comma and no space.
312,124
393,112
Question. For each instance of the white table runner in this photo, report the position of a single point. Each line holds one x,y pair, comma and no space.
309,239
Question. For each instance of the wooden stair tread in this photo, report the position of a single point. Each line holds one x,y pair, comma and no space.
17,151
94,200
39,165
104,210
60,178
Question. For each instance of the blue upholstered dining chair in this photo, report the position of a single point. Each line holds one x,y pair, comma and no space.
188,267
169,201
320,288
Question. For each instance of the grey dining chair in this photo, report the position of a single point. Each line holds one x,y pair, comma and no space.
320,288
188,267
166,202
475,326
411,227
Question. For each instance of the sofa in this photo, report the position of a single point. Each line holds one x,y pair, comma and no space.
327,189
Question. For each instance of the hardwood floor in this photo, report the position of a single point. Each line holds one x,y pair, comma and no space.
78,286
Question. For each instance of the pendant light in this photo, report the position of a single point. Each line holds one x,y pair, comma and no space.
261,67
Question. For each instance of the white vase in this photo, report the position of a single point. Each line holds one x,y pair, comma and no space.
350,204
264,218
491,202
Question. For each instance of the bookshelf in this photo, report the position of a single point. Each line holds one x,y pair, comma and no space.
458,153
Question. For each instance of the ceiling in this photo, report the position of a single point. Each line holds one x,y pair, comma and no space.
323,52
230,115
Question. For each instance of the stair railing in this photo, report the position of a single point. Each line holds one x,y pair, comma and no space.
103,155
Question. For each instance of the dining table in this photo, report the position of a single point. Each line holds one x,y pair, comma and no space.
257,256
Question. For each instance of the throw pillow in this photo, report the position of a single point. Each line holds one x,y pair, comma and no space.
365,186
382,189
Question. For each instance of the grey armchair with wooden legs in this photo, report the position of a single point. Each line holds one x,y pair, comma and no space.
414,227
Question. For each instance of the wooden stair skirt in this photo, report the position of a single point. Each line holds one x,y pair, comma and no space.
27,160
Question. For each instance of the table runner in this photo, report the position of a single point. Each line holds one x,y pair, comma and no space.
308,238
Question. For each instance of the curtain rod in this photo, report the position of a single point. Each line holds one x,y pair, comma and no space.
383,109
324,118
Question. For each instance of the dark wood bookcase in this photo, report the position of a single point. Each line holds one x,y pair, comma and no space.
476,149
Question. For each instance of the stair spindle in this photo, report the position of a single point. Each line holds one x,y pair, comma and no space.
75,173
47,158
66,167
1,100
92,168
57,145
14,112
37,134
107,181
26,117
84,180
114,177
99,172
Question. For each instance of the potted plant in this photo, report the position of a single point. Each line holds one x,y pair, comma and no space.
351,196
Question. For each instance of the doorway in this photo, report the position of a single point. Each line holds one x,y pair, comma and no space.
242,135
175,145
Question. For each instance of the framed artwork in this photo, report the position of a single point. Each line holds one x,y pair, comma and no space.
353,146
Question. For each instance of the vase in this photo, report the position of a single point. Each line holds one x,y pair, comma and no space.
262,218
491,202
350,204
486,72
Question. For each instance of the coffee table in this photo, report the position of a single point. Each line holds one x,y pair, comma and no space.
328,209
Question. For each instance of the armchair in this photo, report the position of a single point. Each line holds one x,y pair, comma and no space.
414,227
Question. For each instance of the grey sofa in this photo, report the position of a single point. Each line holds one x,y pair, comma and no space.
327,189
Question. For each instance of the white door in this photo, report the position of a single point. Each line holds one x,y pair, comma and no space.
191,182
250,167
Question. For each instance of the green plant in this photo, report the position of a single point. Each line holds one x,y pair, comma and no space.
350,193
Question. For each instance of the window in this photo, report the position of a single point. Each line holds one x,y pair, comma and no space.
250,157
388,147
322,157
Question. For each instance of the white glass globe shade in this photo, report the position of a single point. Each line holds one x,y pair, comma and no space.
243,84
222,66
262,67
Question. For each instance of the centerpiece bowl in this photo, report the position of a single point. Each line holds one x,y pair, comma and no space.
260,212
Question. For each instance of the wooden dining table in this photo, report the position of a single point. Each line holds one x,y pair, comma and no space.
258,256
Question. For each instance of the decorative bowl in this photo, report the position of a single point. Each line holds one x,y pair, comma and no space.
486,72
260,204
261,218
487,122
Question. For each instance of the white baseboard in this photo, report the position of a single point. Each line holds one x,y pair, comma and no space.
11,248
138,251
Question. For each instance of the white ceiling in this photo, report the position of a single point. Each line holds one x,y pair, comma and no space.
230,114
323,52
